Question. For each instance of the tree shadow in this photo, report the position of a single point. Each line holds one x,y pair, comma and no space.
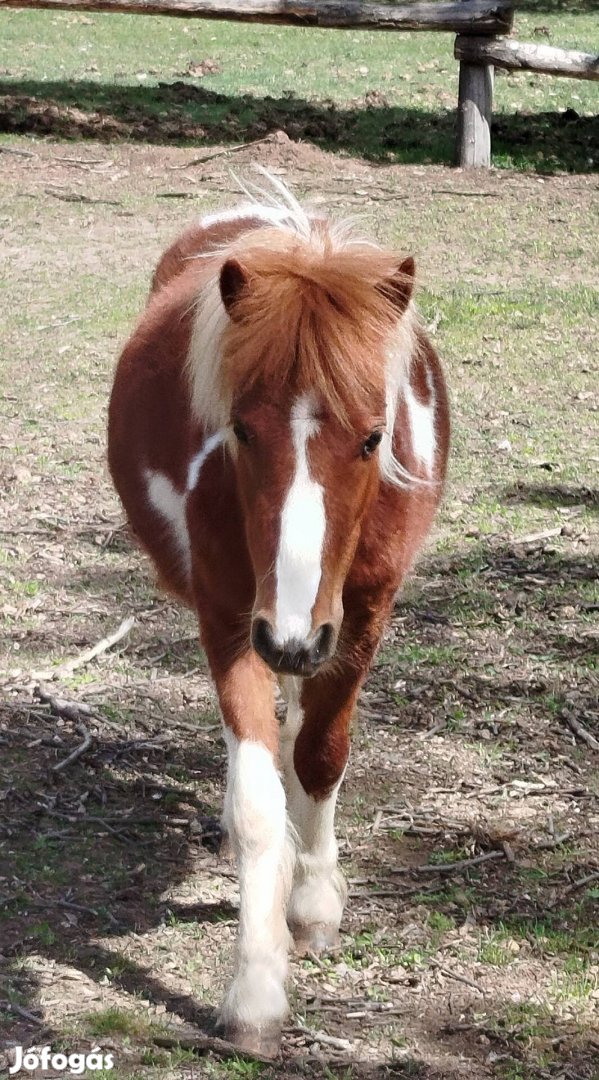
183,113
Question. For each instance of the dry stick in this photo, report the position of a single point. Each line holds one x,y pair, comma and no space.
221,153
581,731
582,882
532,538
89,654
206,1044
77,752
20,1011
68,710
20,153
449,868
453,975
321,1037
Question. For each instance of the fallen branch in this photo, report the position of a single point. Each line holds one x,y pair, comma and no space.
221,153
68,710
323,1038
450,868
454,975
206,1044
89,654
582,882
581,731
77,752
533,538
20,1011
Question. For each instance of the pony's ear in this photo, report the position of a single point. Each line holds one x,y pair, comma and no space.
399,287
233,283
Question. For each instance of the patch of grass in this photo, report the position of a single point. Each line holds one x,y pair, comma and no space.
563,934
494,949
440,923
116,1021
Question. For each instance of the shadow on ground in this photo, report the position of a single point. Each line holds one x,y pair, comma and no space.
182,112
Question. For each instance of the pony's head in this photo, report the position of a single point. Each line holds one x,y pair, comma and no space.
315,335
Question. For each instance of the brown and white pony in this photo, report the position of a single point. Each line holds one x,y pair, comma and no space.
278,434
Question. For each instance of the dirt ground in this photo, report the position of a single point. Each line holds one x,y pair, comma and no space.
469,820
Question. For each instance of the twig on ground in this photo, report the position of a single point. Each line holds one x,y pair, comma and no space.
68,710
206,1044
322,1037
467,194
533,538
89,654
454,975
449,868
19,153
428,734
220,153
580,730
580,884
20,1011
75,196
77,752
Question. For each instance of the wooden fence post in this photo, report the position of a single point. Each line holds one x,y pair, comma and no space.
475,107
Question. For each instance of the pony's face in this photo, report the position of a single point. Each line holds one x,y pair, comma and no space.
305,481
306,355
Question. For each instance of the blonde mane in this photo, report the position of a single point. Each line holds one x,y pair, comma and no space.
316,312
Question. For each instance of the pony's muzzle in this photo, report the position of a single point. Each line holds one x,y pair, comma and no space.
293,657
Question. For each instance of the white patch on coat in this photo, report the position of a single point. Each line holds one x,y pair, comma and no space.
170,504
301,541
255,819
422,425
195,465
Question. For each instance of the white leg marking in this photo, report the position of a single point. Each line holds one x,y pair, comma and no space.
255,818
195,465
170,504
422,423
319,890
303,525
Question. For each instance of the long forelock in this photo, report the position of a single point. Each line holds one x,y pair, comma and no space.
315,314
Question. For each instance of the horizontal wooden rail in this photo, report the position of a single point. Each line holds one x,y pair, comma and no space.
457,16
520,56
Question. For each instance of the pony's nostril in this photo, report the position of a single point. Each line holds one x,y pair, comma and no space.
263,639
324,643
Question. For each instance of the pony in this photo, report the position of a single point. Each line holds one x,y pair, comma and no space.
278,435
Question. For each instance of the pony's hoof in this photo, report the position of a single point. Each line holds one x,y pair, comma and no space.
315,937
264,1042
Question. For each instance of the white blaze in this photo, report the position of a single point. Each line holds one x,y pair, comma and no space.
303,525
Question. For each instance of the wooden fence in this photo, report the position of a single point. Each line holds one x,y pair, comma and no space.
480,44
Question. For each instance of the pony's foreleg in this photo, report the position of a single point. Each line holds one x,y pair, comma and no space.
314,751
255,820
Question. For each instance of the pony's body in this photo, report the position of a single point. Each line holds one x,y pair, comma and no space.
290,537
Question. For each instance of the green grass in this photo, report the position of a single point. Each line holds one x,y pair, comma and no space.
315,84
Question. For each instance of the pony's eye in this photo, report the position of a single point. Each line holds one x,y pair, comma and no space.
240,432
371,444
